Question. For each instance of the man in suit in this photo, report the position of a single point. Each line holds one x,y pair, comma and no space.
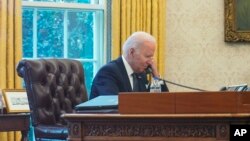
128,72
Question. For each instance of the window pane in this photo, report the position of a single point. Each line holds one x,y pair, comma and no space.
80,31
27,16
50,33
88,70
65,29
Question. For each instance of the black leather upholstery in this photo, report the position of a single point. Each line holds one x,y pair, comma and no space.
54,87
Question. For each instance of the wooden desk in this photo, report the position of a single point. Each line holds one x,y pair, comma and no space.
15,122
152,127
184,102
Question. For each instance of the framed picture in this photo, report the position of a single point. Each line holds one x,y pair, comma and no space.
237,20
16,100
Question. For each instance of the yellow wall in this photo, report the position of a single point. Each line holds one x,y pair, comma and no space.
196,54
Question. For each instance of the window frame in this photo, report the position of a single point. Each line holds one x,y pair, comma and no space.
100,54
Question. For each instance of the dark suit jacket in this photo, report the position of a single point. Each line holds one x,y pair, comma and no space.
112,78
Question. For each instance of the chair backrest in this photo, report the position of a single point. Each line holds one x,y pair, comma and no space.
54,87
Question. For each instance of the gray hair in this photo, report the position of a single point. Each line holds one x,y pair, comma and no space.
136,39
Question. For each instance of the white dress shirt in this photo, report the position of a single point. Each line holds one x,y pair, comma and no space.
129,71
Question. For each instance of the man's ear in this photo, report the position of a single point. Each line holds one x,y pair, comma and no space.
132,51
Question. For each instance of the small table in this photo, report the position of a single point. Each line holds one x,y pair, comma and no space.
15,122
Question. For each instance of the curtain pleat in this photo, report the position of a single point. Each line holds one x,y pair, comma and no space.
129,16
116,25
10,49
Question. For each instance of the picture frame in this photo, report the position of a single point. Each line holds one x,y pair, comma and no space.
16,100
237,21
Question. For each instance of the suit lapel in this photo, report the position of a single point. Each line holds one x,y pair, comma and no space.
124,75
142,82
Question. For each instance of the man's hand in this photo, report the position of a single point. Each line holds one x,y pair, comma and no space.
155,72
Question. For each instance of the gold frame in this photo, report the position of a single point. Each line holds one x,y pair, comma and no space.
19,95
231,34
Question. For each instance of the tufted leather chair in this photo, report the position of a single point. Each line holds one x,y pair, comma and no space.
54,87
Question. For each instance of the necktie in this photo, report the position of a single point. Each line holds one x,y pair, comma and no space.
135,83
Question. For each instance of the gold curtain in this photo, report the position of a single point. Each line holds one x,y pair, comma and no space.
129,16
10,49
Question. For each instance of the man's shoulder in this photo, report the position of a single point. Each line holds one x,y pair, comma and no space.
111,68
113,64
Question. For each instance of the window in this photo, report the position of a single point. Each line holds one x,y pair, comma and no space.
66,29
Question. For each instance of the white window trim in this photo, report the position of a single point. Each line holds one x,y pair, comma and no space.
64,5
102,6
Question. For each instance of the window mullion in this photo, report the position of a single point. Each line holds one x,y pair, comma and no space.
35,52
65,35
97,42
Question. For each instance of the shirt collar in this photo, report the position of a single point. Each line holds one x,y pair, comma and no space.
127,66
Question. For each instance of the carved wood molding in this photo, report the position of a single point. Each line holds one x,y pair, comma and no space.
157,128
152,130
75,129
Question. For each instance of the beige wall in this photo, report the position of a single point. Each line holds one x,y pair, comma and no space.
196,54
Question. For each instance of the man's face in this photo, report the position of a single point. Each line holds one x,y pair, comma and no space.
142,57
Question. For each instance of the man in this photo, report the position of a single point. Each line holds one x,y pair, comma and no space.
128,72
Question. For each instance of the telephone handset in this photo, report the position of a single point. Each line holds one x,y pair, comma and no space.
163,86
148,70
